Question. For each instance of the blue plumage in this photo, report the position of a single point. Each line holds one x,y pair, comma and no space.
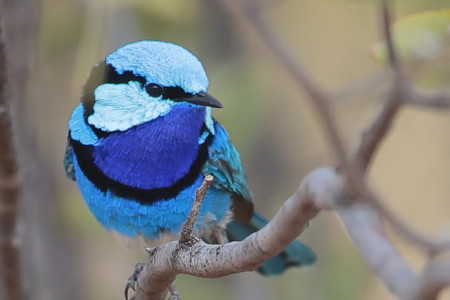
141,143
132,218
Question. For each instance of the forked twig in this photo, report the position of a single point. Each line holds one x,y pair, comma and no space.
401,93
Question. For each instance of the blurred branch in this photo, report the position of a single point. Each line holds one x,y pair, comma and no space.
377,131
437,100
364,85
46,253
434,278
10,185
432,245
393,60
400,91
364,226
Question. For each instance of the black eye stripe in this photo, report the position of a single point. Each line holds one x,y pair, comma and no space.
111,76
167,92
105,73
175,93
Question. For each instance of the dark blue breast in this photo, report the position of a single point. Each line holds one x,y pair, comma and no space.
153,155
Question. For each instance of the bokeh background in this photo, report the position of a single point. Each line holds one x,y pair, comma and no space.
269,120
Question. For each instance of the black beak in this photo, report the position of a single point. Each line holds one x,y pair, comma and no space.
202,98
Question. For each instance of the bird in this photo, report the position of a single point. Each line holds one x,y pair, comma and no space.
140,143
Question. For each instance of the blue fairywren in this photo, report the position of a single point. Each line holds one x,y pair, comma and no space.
141,142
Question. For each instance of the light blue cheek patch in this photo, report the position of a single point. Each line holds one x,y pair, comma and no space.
209,123
122,106
79,130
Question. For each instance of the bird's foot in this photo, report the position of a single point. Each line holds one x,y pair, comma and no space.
131,283
174,295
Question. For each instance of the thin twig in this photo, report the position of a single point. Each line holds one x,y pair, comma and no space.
436,100
400,91
371,84
387,32
188,226
372,137
9,187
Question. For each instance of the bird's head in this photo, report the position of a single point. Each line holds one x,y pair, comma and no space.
142,81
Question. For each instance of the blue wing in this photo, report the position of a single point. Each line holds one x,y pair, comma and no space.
68,162
80,132
225,165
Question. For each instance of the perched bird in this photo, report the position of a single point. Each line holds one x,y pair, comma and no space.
141,142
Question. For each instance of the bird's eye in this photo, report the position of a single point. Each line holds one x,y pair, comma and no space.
154,90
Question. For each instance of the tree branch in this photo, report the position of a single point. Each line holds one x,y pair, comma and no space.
401,92
398,94
436,100
367,233
394,62
434,278
204,260
432,245
9,186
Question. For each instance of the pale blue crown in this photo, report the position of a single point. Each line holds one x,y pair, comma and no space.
162,63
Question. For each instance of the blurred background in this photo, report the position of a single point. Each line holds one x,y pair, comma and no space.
70,256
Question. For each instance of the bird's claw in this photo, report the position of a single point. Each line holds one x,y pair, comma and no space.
131,282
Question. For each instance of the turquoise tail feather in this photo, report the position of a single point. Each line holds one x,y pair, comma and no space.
295,254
